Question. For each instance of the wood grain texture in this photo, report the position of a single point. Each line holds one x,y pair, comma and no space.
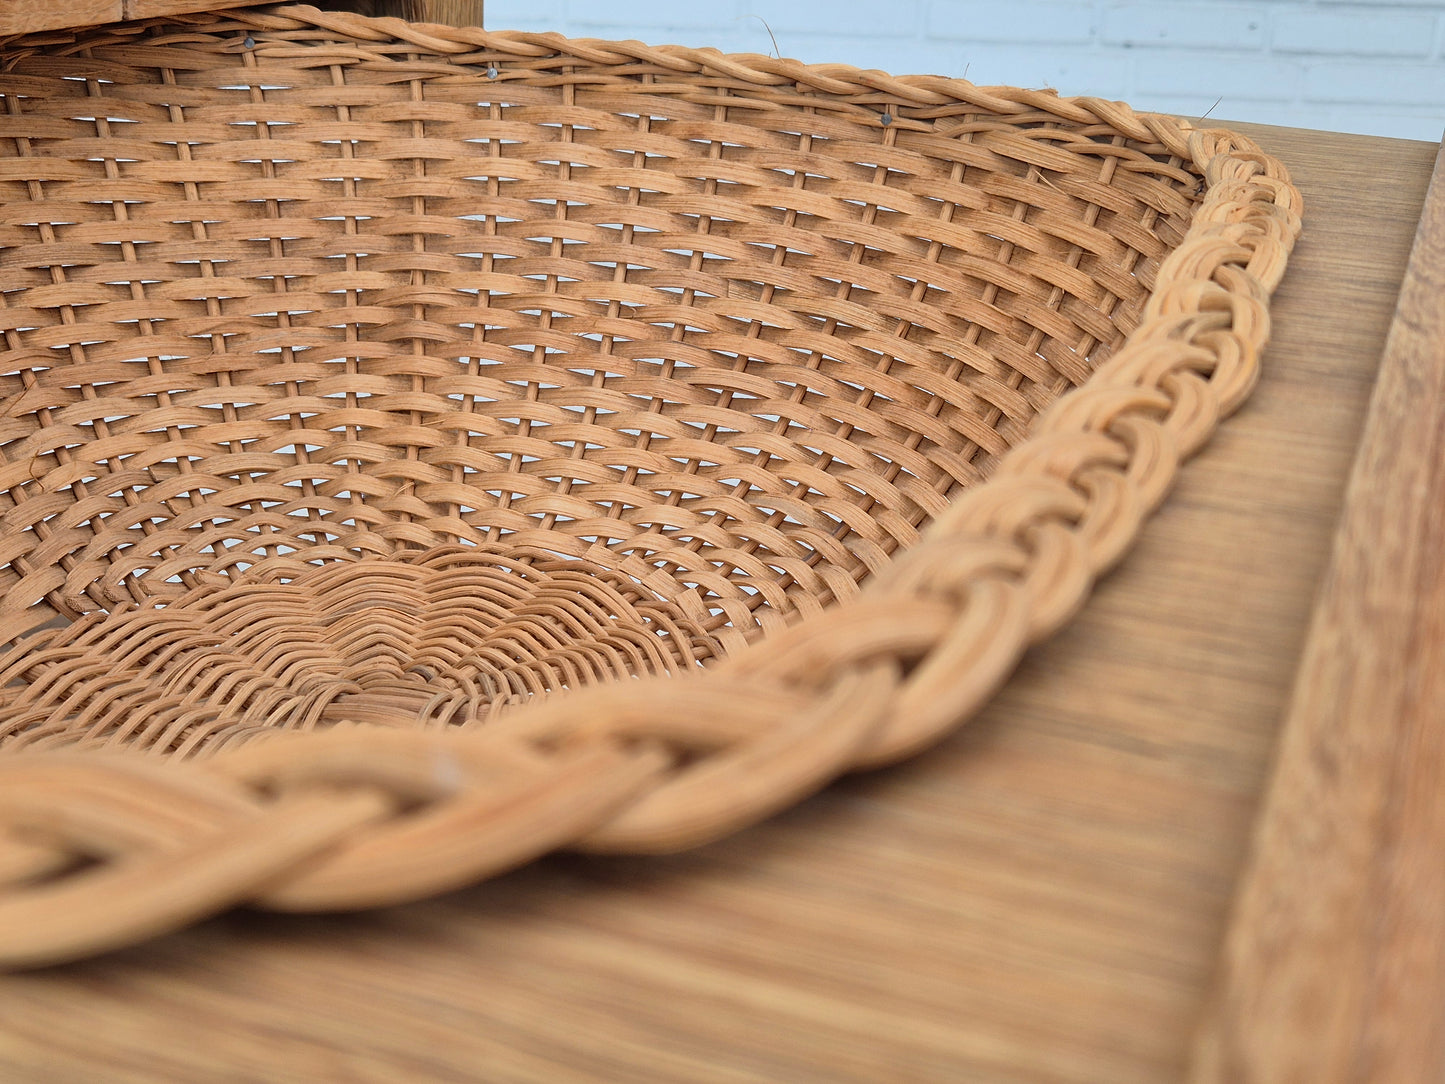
1335,961
446,12
1041,898
24,16
147,9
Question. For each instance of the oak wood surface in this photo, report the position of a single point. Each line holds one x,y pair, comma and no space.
1041,898
24,16
147,9
1335,963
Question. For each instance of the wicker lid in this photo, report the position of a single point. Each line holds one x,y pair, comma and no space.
420,389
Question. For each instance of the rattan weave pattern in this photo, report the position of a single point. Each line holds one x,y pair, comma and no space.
435,393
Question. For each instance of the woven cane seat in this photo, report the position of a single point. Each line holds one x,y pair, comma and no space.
423,448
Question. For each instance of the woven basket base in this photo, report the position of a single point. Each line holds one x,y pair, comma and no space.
449,446
451,635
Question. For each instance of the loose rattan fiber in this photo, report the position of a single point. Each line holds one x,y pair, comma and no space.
369,381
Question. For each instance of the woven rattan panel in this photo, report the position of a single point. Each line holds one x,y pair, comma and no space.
379,379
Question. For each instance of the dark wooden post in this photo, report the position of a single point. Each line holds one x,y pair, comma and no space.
450,12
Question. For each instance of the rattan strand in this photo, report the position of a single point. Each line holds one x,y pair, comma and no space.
546,443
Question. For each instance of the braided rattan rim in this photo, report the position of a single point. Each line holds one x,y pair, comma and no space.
100,850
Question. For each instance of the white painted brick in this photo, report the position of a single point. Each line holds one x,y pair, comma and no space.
524,14
1372,84
1070,71
1180,105
1357,33
1256,78
1292,116
753,36
1378,3
865,18
1286,116
1198,26
636,14
1371,121
1031,21
1355,65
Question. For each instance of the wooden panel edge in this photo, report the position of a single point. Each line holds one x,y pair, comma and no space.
25,18
147,9
1333,967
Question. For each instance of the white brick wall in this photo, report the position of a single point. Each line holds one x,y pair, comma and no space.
1372,66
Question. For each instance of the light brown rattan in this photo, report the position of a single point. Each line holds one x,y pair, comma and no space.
370,380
